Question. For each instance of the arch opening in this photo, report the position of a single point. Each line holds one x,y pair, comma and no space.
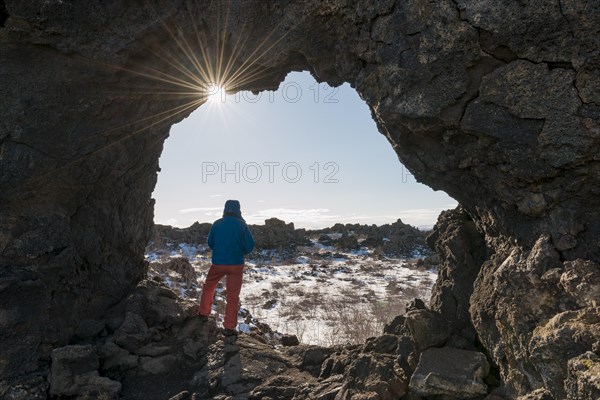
308,154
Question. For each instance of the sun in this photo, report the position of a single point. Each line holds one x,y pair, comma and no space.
215,94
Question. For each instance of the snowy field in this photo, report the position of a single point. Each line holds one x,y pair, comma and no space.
321,295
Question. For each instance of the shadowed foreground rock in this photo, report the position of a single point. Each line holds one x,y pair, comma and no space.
161,350
75,372
583,380
450,372
498,104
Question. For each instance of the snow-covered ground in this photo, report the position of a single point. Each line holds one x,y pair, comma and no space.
321,295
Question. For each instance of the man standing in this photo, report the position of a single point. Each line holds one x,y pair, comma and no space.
230,240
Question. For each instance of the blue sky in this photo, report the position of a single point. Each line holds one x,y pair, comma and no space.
306,153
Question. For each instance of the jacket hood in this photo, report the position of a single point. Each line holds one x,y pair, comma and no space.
232,207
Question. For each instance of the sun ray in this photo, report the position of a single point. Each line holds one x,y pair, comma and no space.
237,48
243,68
193,67
191,54
182,44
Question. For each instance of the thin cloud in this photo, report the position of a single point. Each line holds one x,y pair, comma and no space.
300,216
315,218
422,216
198,209
321,217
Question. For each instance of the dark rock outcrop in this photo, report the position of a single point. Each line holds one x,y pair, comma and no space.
163,235
450,372
276,234
583,381
383,367
75,373
397,239
178,269
496,105
462,248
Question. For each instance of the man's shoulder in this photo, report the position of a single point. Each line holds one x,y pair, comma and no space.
218,222
229,221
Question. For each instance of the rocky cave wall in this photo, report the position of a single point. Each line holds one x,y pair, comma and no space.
496,103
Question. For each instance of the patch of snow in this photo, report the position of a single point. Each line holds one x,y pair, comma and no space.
316,296
242,327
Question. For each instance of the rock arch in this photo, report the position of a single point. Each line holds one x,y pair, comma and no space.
498,106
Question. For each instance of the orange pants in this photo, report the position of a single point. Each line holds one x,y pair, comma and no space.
233,285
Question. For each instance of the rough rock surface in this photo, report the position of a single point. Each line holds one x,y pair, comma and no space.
565,336
450,372
165,234
177,269
538,394
75,373
497,106
396,239
146,355
462,248
583,381
276,234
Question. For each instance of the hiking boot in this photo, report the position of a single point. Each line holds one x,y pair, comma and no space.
230,333
203,318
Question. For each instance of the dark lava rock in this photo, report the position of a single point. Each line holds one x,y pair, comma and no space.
495,105
450,372
462,248
75,373
289,340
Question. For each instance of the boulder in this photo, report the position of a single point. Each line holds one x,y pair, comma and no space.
562,338
395,326
158,365
461,247
74,372
276,234
89,328
386,344
538,394
32,388
178,269
309,358
583,377
427,328
450,372
347,242
581,280
133,332
373,376
289,340
113,357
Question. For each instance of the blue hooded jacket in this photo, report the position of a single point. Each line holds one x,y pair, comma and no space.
229,237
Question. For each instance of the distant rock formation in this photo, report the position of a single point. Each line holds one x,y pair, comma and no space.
162,235
276,234
397,239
